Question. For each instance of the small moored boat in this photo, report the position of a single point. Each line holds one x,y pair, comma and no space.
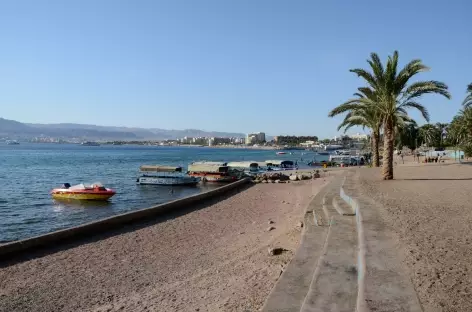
94,191
165,175
281,153
281,165
248,167
213,172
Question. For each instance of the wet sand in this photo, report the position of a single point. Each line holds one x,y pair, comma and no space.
429,208
211,259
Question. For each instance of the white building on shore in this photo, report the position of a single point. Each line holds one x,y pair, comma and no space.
358,136
255,138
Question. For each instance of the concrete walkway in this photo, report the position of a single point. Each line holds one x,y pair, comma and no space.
346,260
322,276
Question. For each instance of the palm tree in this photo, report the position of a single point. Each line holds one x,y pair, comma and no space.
360,114
408,135
394,95
460,130
430,135
468,99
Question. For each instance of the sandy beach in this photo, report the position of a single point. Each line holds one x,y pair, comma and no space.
213,258
428,207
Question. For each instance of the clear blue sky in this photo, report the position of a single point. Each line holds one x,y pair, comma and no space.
246,65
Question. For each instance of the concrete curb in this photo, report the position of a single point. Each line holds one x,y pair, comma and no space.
100,226
361,255
291,288
336,204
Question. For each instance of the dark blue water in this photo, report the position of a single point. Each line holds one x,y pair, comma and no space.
29,171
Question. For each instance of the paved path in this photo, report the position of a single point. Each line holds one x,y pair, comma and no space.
347,260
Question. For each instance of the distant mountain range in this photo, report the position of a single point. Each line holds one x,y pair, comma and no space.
17,130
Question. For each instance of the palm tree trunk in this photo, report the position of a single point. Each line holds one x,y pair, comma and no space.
389,140
375,149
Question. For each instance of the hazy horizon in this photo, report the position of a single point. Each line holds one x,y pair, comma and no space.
243,66
183,129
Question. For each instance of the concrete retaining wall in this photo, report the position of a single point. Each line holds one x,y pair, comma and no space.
361,254
100,226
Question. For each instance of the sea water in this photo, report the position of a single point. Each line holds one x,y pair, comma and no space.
28,172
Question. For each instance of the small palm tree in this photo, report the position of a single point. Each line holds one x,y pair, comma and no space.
430,135
468,99
362,112
395,95
407,135
460,130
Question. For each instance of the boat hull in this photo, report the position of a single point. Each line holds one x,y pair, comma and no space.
207,177
175,181
81,196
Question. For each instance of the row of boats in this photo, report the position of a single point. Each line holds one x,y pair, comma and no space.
197,172
206,171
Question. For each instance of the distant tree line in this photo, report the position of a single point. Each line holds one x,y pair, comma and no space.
294,140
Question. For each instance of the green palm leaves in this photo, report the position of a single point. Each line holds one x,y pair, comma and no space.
468,99
384,103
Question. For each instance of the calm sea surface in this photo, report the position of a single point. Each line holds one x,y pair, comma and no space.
29,171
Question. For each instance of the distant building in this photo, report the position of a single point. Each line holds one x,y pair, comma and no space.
308,143
358,136
255,138
238,140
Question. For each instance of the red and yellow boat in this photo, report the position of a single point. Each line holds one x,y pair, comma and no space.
95,191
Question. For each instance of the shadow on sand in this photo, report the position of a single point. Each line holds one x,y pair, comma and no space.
74,242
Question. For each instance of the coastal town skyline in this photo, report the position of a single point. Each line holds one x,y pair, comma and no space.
220,66
11,129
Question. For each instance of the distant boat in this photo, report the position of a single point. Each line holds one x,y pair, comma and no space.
281,153
89,143
13,142
165,175
332,147
281,165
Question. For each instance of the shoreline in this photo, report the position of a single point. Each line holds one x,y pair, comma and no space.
213,258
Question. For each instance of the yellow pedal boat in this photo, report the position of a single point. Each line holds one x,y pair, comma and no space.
95,191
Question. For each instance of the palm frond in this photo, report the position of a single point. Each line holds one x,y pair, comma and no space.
411,104
366,76
345,107
367,92
468,99
411,69
391,72
417,89
377,68
352,121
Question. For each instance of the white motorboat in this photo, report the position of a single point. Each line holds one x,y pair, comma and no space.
248,167
165,175
281,165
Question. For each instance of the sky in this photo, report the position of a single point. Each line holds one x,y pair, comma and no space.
238,66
